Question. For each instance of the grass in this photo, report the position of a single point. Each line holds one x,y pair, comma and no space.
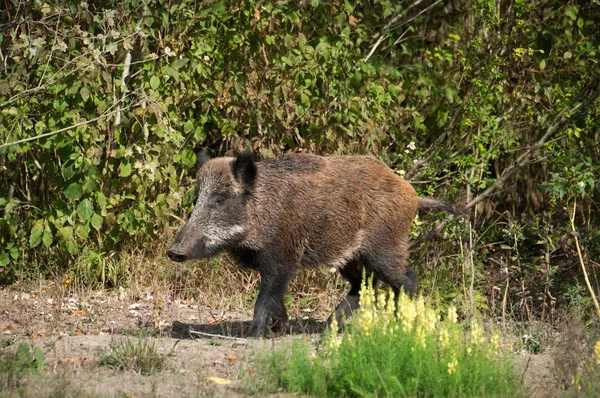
17,365
381,354
139,356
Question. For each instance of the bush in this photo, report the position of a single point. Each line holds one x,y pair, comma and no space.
381,354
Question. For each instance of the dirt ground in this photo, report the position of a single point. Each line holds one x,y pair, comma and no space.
75,331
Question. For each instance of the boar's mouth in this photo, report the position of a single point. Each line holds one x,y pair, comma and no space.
176,254
202,249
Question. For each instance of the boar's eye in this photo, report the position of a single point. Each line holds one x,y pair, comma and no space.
220,199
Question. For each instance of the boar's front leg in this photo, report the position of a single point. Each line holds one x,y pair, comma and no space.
269,307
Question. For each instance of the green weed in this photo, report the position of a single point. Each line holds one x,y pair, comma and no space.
139,356
409,354
17,365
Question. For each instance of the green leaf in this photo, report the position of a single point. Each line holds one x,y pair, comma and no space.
4,259
66,235
125,170
14,253
74,192
38,356
85,93
304,100
97,221
188,126
154,82
450,93
101,200
24,351
36,233
188,158
47,236
571,11
85,209
567,55
82,231
543,64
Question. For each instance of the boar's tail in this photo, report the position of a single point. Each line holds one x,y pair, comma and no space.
438,205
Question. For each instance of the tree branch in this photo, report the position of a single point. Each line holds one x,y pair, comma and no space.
383,33
525,158
37,137
559,121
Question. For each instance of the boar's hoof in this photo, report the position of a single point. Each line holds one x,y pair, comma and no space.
256,330
176,255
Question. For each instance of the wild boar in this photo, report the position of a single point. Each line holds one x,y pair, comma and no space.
302,210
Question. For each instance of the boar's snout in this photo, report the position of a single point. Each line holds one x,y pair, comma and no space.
177,254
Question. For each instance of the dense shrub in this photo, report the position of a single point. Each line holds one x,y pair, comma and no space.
121,94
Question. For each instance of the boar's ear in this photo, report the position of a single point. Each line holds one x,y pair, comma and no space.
244,168
201,158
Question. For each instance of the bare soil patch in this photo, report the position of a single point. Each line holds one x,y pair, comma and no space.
75,330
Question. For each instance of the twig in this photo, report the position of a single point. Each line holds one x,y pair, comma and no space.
525,158
192,331
25,93
105,115
585,275
433,149
521,161
382,35
526,368
422,12
431,234
51,51
124,76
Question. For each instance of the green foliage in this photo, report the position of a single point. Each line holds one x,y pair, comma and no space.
413,354
121,95
15,365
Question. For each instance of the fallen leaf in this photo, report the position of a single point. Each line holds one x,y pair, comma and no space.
216,320
230,357
8,326
78,333
41,332
218,380
78,312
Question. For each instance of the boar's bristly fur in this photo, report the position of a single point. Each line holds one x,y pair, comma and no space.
301,210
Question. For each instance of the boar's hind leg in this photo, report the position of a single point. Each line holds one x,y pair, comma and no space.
353,273
269,307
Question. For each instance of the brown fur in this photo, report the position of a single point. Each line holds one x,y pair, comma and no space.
300,210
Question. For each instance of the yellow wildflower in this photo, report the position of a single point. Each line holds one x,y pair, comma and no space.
430,320
407,312
452,365
332,341
597,352
444,337
452,314
420,335
476,332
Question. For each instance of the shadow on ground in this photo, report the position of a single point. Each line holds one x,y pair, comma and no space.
239,329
